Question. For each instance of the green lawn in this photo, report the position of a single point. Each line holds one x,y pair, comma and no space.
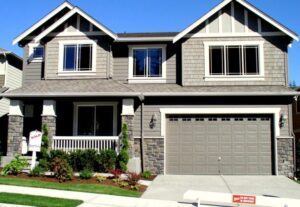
40,201
90,188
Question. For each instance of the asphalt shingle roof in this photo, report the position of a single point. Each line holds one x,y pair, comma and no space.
104,87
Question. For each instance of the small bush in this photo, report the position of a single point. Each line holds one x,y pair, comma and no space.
116,173
123,184
58,154
86,174
107,159
36,172
147,174
44,164
61,168
15,166
101,179
133,178
82,159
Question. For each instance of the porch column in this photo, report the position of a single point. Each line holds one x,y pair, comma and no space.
134,164
15,128
49,118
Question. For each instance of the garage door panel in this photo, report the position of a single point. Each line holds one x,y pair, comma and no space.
194,145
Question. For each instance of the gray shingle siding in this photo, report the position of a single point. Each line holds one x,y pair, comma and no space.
274,60
32,71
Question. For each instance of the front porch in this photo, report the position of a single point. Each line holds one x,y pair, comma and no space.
73,124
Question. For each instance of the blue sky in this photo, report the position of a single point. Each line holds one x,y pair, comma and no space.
143,16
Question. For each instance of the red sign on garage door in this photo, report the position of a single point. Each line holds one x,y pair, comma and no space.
244,199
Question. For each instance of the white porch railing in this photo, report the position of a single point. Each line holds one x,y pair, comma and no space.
72,143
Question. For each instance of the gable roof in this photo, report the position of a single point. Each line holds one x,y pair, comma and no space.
42,21
6,52
246,5
67,16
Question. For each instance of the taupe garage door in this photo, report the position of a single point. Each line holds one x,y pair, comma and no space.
218,144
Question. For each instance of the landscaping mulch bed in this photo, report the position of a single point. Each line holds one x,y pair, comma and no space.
77,180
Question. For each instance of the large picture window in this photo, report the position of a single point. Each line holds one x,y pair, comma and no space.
147,63
233,60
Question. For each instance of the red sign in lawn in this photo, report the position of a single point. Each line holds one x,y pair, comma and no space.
244,199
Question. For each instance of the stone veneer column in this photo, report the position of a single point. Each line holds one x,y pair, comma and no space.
285,148
134,164
15,128
49,118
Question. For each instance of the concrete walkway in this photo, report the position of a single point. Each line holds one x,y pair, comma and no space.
92,199
172,187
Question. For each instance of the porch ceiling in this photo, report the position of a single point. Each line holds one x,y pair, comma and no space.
112,88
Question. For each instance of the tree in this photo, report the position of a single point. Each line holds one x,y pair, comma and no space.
123,157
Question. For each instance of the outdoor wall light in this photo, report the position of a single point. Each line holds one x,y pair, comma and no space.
153,121
283,120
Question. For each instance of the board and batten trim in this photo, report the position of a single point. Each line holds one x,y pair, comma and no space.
232,110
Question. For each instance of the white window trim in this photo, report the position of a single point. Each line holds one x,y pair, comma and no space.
232,110
61,72
31,46
132,79
259,77
78,104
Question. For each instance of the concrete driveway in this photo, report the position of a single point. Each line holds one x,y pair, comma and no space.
172,187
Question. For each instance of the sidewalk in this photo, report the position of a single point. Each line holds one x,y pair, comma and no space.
92,199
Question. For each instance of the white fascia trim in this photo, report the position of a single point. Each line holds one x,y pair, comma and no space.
42,21
78,104
66,17
162,79
268,19
61,56
275,111
243,43
201,20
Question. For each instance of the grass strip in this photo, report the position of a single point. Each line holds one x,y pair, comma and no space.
40,201
90,188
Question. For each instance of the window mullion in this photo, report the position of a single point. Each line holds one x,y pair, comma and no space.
77,58
225,60
242,57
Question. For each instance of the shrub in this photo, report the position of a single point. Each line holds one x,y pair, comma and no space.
44,164
86,174
147,174
61,168
123,184
101,179
107,160
58,154
36,172
133,178
123,157
15,166
116,173
81,159
45,143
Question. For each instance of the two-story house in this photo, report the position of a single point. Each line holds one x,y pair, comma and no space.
10,78
210,99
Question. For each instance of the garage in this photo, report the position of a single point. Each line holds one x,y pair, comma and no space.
219,144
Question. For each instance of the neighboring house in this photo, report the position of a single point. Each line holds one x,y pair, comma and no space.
10,78
212,99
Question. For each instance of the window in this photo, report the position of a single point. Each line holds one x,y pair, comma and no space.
77,57
234,59
95,119
36,52
147,63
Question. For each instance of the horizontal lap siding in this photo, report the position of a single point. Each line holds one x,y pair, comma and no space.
52,56
194,62
150,110
121,61
32,71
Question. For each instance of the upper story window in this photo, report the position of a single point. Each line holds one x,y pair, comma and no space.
232,60
36,52
147,64
77,57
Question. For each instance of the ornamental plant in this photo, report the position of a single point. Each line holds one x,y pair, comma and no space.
15,167
123,157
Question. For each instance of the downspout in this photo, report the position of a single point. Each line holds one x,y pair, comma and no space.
142,99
